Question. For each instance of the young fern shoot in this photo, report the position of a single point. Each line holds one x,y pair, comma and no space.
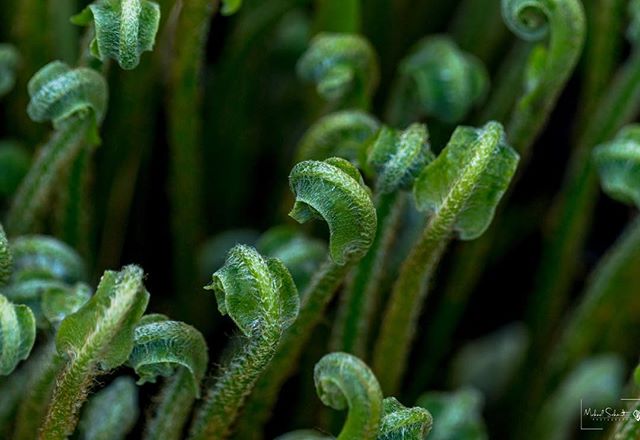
75,101
332,190
460,191
437,80
258,293
618,164
549,67
344,381
177,351
397,158
344,68
123,29
98,337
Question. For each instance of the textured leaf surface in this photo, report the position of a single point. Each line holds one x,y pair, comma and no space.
17,334
250,289
333,190
163,345
466,181
105,325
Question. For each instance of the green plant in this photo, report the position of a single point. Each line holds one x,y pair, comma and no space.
457,252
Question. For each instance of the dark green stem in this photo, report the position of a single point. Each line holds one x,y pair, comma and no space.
37,186
404,307
172,409
185,138
214,419
574,206
314,301
361,296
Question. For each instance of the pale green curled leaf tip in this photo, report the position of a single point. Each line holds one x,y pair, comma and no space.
43,257
468,178
105,324
161,345
59,92
9,59
230,7
442,80
402,423
343,133
456,414
112,412
618,164
124,29
345,382
333,190
344,68
527,18
300,254
398,157
17,334
252,289
6,258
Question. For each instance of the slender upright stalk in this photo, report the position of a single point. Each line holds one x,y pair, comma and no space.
332,189
475,164
572,209
185,140
262,316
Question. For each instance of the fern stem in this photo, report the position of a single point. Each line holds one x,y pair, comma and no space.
173,408
37,186
185,138
361,296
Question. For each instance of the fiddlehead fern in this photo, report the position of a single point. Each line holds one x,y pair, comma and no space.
175,350
344,68
437,80
397,158
402,423
112,412
8,64
259,295
459,191
349,213
532,20
123,29
618,164
43,257
98,337
333,190
17,334
342,134
344,381
75,101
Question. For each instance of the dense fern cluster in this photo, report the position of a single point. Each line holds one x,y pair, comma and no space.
411,159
